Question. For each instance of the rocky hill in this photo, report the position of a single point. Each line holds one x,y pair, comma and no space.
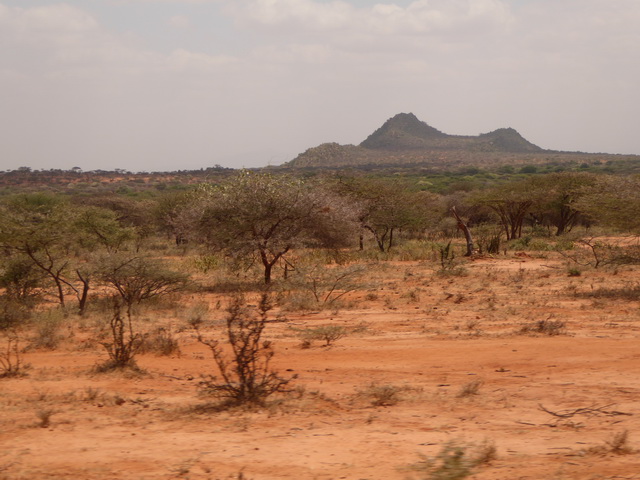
404,131
404,139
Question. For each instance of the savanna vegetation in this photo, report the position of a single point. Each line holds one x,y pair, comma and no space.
72,247
130,265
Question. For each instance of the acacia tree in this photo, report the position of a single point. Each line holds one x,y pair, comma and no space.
20,278
36,226
385,206
266,216
136,279
511,202
171,214
133,215
102,228
614,202
57,238
560,203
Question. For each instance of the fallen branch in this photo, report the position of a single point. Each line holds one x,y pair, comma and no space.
593,411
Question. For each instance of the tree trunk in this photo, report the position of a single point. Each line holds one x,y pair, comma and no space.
56,276
467,233
379,239
84,295
267,273
268,265
59,287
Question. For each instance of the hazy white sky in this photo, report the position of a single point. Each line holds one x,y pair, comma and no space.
158,85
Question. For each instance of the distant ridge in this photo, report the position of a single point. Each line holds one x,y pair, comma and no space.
404,139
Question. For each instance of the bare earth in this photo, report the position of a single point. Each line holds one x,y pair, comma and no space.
422,336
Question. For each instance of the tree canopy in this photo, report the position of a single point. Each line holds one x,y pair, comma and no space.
266,216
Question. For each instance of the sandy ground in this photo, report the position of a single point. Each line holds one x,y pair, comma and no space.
434,360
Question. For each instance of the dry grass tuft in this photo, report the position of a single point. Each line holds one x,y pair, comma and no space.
471,388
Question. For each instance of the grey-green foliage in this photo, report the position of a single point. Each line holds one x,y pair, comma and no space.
99,227
614,202
560,205
387,206
136,278
36,227
263,217
511,202
488,238
21,279
12,313
42,232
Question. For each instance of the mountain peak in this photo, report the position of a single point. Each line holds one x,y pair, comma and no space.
508,139
402,131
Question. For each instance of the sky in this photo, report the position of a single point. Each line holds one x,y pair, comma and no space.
165,85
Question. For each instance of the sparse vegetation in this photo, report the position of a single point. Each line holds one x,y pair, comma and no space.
630,292
125,342
382,395
618,444
11,362
471,388
545,327
327,333
160,342
394,281
455,461
247,378
44,417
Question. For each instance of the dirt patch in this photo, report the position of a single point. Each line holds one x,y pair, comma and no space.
429,359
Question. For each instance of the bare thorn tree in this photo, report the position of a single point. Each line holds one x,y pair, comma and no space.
246,377
125,342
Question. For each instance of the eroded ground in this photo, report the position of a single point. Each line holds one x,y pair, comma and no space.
429,359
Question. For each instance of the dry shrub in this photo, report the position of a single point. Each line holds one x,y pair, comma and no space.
382,395
44,417
629,292
246,376
485,453
11,364
328,333
299,301
471,388
618,444
47,332
12,313
197,313
544,327
124,344
160,342
455,461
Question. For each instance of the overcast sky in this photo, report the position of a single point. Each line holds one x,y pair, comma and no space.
161,85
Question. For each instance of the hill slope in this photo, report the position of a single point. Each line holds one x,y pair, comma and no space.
404,139
403,131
